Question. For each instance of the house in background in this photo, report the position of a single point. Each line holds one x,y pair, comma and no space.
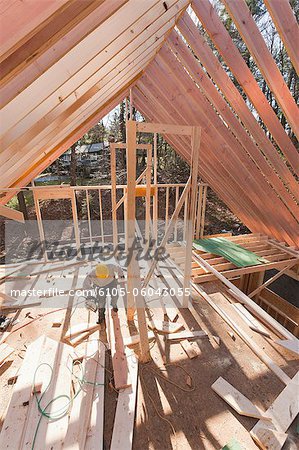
87,155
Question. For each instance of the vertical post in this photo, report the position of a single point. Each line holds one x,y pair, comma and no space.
166,206
203,212
155,199
75,218
131,104
131,210
133,272
113,194
176,202
40,224
199,209
148,196
89,220
101,216
195,146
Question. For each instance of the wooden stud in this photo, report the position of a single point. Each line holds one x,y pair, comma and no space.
195,148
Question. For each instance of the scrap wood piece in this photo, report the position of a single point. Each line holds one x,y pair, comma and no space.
81,407
292,345
133,340
8,298
79,328
165,327
82,336
94,435
241,404
119,359
5,352
19,307
187,334
11,432
251,321
191,350
122,436
283,411
268,439
244,336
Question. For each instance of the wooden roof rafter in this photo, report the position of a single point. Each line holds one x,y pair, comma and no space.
206,56
222,40
209,89
256,44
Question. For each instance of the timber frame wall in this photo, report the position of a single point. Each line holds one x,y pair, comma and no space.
57,82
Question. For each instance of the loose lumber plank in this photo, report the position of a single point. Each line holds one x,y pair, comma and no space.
250,320
292,346
5,352
121,372
12,214
188,335
79,328
122,436
164,327
283,411
241,404
191,350
81,407
11,432
133,340
272,323
94,436
244,336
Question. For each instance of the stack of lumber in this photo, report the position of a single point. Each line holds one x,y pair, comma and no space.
58,399
48,369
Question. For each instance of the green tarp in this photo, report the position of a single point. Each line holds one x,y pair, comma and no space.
229,250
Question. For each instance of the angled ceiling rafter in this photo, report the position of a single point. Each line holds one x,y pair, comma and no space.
233,58
209,89
256,44
207,58
246,178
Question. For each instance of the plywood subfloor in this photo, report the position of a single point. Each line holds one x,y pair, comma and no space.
200,418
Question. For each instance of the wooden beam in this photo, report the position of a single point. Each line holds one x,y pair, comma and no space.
133,271
143,127
12,214
256,45
20,24
283,412
287,27
207,86
237,400
244,336
215,182
222,40
259,312
195,150
220,136
275,277
206,56
43,60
